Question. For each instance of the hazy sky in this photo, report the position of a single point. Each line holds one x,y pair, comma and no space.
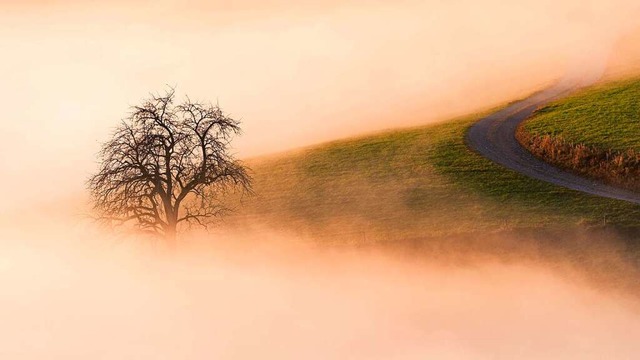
295,72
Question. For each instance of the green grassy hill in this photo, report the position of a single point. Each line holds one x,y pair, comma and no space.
606,116
595,133
409,184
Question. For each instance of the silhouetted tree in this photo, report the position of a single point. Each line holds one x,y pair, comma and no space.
168,164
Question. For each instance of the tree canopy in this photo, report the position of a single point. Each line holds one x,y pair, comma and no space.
168,164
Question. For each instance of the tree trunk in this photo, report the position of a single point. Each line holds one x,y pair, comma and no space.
171,237
170,232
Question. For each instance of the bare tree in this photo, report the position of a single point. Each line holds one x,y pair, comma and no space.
166,165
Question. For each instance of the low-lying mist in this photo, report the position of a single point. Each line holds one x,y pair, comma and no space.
295,73
73,292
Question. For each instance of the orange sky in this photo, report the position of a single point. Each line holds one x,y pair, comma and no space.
295,72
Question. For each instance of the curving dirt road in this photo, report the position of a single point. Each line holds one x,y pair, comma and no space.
494,138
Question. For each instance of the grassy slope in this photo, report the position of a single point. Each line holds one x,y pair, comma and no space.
607,117
412,183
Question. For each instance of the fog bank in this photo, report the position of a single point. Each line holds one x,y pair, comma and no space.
296,74
79,295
